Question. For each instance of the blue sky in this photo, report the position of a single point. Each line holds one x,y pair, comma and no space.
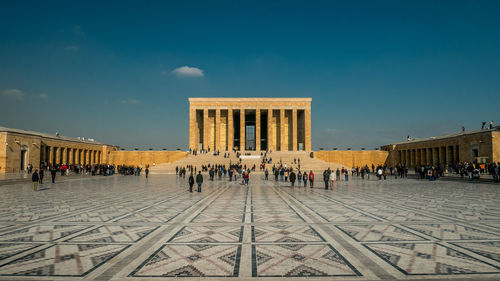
376,70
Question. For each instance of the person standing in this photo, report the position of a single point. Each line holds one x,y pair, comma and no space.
326,177
311,179
299,178
191,182
266,174
40,176
333,178
246,177
292,178
53,173
147,171
199,180
34,179
304,178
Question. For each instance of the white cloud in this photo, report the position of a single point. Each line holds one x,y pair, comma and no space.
186,71
14,94
43,96
71,48
130,101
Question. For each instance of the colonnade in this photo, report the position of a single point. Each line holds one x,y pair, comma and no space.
247,128
434,155
54,155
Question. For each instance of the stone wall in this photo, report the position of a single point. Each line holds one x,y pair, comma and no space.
18,149
350,158
496,146
136,158
3,152
470,146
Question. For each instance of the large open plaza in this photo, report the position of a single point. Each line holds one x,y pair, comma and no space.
249,140
133,228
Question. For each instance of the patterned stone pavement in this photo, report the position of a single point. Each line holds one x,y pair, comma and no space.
132,228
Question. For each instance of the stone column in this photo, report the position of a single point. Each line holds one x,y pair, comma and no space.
308,129
294,129
242,129
82,156
58,155
257,129
428,151
270,140
407,158
435,155
205,128
51,156
217,129
417,157
91,157
192,129
283,147
230,129
65,155
70,155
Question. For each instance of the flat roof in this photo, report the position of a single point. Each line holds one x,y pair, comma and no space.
49,136
250,99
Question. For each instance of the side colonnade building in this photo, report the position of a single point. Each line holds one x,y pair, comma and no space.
19,148
250,124
479,146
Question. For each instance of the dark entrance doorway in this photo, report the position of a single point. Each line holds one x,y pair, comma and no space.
23,160
250,130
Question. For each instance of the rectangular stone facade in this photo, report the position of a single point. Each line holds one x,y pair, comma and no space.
18,148
259,124
472,146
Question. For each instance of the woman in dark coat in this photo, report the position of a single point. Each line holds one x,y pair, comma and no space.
34,179
191,182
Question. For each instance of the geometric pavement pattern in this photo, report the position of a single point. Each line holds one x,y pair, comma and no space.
123,227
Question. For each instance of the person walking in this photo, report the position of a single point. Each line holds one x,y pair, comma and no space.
147,171
191,182
34,179
53,173
266,174
40,176
333,178
246,177
299,178
292,178
311,179
199,180
326,176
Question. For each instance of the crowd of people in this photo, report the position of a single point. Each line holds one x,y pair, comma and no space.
282,172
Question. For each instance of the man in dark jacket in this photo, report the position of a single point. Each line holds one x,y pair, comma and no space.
53,173
292,178
199,180
326,177
40,176
191,182
34,179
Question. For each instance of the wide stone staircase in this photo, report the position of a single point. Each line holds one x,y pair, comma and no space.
306,162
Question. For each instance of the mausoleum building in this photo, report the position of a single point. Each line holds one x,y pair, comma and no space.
250,124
